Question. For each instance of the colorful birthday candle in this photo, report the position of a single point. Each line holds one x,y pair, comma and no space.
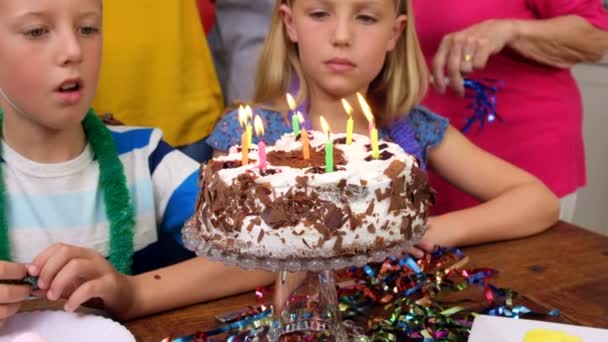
259,131
244,138
349,123
304,138
248,128
329,147
373,131
295,123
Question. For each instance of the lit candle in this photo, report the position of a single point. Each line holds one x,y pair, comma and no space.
295,123
248,128
244,138
304,137
373,132
349,123
329,147
259,131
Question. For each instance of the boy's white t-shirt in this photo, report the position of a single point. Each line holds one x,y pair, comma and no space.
63,202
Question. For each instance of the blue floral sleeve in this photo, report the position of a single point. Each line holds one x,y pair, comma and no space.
228,131
418,131
429,128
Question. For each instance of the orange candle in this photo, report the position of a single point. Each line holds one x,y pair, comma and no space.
304,137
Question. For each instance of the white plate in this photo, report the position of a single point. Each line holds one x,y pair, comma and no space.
61,326
502,329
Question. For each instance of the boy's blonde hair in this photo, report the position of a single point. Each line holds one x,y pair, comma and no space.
400,85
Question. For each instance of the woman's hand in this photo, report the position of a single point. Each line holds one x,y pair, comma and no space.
465,51
11,296
81,274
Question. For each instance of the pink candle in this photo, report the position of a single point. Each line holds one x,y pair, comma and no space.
259,131
262,154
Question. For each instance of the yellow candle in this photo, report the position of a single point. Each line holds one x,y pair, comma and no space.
244,139
248,128
304,137
373,132
349,123
245,149
375,149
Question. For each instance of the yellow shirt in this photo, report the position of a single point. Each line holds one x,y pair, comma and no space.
157,69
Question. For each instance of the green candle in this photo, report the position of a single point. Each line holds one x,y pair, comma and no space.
295,123
329,147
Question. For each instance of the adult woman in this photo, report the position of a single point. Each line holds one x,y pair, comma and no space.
530,46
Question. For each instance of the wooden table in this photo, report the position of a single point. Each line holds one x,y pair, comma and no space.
564,268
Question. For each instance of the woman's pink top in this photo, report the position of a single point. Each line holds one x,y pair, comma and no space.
541,105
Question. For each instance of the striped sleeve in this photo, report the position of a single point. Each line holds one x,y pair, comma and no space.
175,179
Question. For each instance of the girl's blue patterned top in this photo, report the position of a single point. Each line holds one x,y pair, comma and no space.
416,132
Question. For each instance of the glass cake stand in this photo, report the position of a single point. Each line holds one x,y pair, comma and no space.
305,301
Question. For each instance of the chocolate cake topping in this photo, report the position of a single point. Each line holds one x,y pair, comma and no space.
294,158
384,155
297,207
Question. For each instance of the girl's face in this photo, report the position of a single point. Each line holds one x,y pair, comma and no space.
342,44
50,54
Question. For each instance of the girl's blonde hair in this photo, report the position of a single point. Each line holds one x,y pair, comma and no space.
400,85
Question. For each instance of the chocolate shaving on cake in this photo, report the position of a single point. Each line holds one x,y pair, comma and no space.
370,208
294,158
394,169
384,155
338,245
382,146
379,242
261,235
371,229
306,243
301,181
263,194
406,227
341,141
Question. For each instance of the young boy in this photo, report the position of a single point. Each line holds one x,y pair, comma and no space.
74,193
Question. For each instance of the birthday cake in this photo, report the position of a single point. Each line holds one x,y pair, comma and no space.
293,208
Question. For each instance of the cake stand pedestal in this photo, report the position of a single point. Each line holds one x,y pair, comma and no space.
306,301
307,308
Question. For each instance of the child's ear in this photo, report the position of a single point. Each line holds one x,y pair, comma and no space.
398,28
287,16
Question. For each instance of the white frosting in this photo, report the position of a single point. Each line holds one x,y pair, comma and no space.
303,241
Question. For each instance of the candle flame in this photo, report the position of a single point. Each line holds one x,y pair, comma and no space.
242,116
300,117
258,125
324,125
347,107
248,112
290,101
367,111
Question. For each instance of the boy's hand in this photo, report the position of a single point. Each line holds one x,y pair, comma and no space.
80,274
11,296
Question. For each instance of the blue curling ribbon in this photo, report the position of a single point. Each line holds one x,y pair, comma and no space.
483,102
228,327
410,263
